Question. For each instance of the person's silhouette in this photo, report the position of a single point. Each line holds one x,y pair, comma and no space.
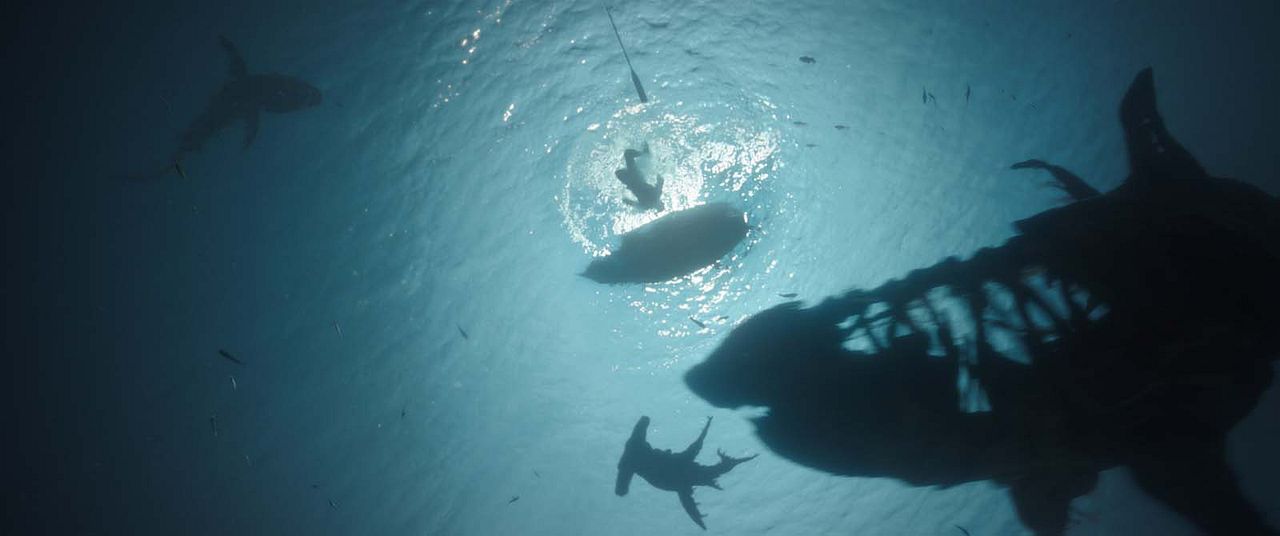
648,196
670,471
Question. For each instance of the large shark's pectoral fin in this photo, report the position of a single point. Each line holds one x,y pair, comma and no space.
235,63
1153,152
1192,476
686,500
250,128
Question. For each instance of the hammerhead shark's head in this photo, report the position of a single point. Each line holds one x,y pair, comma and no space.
242,98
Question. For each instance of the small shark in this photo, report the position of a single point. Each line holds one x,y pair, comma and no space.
244,97
671,471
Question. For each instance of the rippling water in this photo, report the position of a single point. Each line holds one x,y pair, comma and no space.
460,175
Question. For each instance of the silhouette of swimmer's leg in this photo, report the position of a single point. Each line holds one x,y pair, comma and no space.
1152,150
692,452
1193,477
1068,182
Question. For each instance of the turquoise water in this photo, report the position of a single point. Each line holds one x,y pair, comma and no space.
460,173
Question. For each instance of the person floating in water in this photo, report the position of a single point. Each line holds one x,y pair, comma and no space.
647,196
670,471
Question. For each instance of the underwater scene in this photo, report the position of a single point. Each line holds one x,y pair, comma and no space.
580,267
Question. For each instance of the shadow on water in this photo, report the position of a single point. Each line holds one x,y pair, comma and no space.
1133,328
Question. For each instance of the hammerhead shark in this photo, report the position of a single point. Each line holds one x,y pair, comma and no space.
669,471
242,98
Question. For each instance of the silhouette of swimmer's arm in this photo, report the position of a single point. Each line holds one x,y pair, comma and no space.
1073,185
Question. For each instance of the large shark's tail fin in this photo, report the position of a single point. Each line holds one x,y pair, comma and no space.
235,63
1153,152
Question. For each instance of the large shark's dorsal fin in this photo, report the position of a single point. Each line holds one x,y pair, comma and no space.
1153,153
235,63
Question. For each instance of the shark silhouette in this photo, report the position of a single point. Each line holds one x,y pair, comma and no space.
670,471
1132,328
243,98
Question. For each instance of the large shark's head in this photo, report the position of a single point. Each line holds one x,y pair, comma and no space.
766,357
283,93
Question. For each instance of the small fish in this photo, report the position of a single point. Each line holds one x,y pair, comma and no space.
842,127
698,322
514,498
800,123
463,332
807,59
787,294
924,96
234,387
177,166
810,145
228,355
535,473
315,485
332,504
402,411
338,328
719,318
933,98
967,92
962,529
213,424
246,460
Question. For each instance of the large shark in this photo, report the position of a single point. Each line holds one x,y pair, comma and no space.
671,246
243,98
1132,328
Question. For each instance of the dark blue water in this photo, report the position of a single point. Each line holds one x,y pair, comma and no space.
456,177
